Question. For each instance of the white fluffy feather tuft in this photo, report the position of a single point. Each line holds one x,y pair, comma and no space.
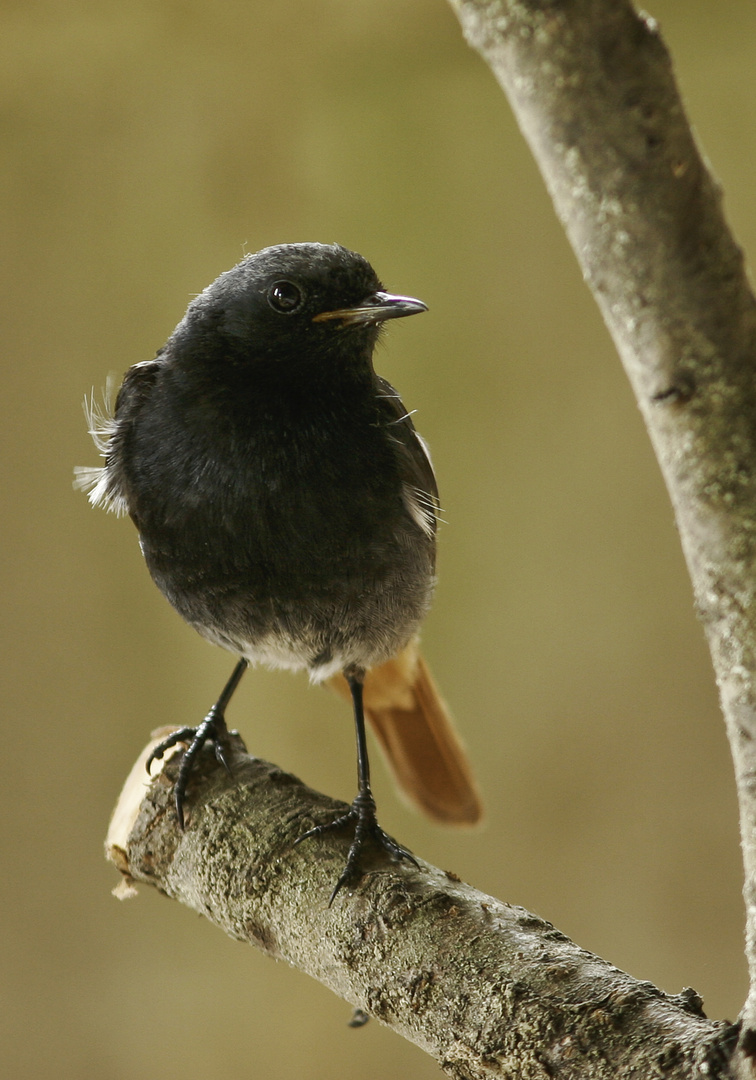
423,508
95,480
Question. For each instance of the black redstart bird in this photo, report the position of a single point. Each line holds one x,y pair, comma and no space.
287,509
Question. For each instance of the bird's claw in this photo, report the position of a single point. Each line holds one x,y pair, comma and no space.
367,832
212,729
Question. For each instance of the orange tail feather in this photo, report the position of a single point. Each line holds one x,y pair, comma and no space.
417,735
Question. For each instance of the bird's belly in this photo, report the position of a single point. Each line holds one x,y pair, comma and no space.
322,616
296,560
314,652
321,637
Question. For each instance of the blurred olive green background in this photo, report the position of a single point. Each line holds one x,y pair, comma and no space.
146,148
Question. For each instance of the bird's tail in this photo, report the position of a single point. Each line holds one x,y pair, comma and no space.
418,738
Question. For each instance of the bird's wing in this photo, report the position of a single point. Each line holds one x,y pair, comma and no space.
419,488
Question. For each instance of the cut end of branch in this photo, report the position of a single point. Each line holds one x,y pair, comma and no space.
127,809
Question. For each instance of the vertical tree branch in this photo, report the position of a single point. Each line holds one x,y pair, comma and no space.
591,84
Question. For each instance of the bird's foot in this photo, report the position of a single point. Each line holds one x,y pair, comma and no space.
367,833
212,729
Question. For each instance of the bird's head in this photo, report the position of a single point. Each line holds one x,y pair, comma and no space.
292,303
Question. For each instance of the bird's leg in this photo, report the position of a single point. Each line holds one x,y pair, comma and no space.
213,728
362,811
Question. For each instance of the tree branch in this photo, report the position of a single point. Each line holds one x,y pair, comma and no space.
487,989
591,84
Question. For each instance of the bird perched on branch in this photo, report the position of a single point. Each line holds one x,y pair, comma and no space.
287,509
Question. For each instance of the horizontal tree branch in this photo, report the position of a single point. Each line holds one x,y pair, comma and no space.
486,988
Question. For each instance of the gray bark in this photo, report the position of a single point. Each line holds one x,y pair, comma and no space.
487,989
591,84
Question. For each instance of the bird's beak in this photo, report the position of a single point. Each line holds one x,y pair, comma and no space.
375,308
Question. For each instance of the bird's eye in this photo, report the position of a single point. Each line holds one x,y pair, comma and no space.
285,297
